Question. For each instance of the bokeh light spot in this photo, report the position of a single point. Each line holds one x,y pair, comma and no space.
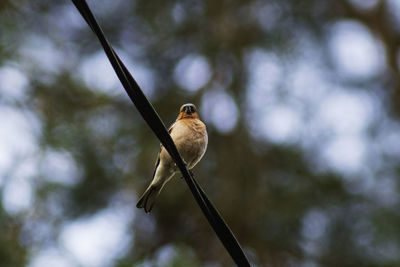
60,167
220,109
345,153
354,50
192,72
17,136
95,241
346,111
280,123
51,257
364,4
98,74
12,83
17,196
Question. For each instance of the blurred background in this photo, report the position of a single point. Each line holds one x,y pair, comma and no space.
302,104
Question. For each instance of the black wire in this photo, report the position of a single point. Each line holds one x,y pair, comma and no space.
153,120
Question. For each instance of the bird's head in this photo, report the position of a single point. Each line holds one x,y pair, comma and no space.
188,111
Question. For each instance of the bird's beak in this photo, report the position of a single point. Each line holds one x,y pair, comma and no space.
189,109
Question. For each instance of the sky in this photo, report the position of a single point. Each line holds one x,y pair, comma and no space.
314,110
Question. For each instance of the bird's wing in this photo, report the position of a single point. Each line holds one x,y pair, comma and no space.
157,163
170,127
169,131
161,147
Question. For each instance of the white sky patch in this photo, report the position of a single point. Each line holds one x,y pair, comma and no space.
280,123
354,50
17,137
12,83
40,52
345,153
265,74
98,73
306,82
17,195
364,4
17,164
143,75
219,108
192,72
268,118
68,16
51,258
25,168
97,240
60,167
345,111
345,115
145,78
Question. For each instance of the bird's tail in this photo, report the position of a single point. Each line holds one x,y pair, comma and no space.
148,198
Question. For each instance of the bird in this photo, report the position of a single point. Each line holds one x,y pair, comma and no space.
189,134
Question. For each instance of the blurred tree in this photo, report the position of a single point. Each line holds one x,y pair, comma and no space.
282,198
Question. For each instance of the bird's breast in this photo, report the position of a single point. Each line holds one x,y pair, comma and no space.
190,137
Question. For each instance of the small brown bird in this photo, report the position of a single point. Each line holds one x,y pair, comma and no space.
190,137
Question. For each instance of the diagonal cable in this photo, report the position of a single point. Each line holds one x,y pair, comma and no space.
153,120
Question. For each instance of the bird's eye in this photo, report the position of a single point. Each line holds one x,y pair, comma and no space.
189,109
